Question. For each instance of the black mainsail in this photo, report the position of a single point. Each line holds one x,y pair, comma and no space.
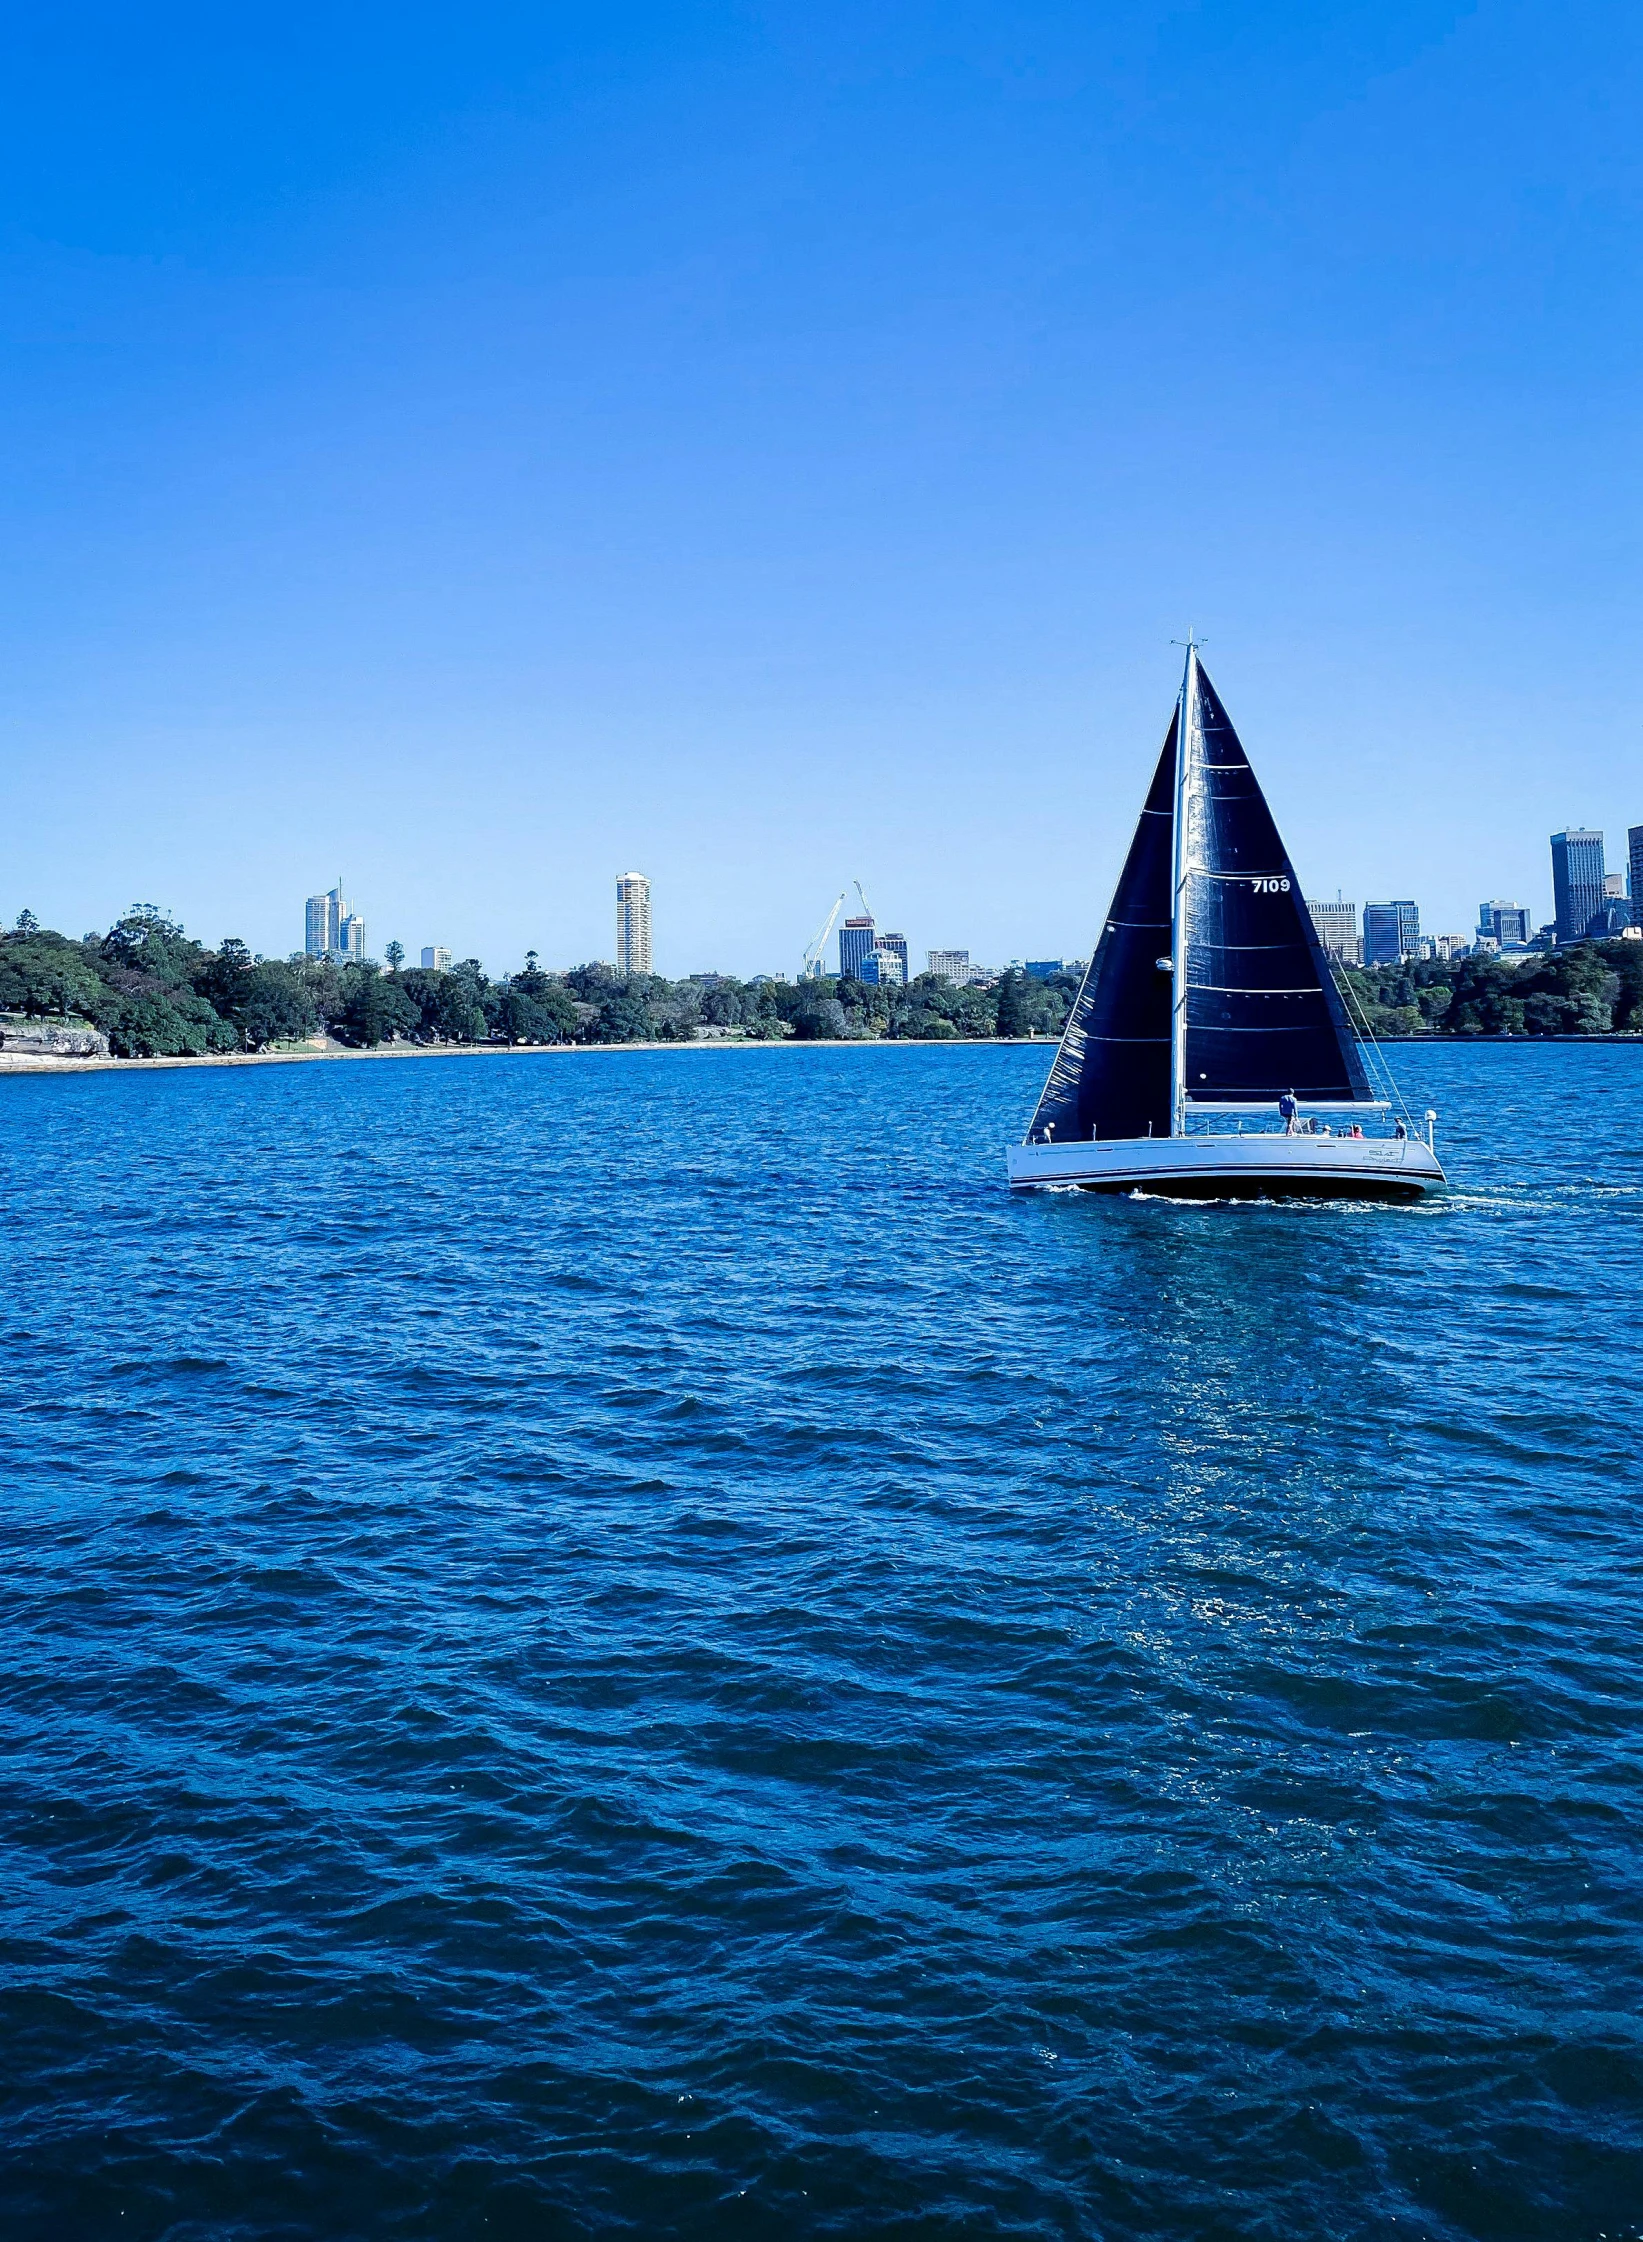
1208,987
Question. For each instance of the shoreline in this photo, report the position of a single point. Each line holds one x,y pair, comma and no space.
41,1062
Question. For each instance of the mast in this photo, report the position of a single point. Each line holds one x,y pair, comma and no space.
1178,877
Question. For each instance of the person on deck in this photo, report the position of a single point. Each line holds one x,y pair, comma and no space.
1288,1109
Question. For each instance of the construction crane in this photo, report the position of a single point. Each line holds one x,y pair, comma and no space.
812,969
862,892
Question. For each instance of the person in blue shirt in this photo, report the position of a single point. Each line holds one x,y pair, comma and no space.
1288,1109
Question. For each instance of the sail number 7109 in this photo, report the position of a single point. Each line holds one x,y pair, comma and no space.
1270,887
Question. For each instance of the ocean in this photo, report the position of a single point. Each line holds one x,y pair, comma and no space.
623,1644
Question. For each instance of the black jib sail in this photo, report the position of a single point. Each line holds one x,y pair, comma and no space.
1259,1012
1111,1076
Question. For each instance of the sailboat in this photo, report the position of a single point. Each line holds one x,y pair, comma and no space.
1209,1053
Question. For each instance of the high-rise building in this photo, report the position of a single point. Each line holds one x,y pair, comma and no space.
436,959
1577,880
333,928
320,937
954,965
1506,924
1451,945
1337,925
1614,883
633,923
897,943
1391,933
856,938
1634,859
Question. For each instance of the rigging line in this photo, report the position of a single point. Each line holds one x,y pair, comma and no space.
1376,1053
1361,1028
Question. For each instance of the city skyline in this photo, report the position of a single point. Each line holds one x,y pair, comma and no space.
739,951
1390,931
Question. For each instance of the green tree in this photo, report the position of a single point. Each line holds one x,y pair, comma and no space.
395,954
375,1010
447,1009
822,1020
44,975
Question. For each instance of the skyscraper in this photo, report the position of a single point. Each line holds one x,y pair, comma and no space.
436,958
1634,859
1391,933
855,940
1577,880
896,944
1337,925
320,938
633,923
333,928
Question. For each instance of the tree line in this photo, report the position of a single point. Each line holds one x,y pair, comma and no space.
155,992
1591,988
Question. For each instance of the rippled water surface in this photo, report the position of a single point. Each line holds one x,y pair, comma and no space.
610,1644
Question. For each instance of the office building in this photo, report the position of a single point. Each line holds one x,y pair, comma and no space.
1634,859
1612,917
633,923
436,960
1391,933
1337,926
1451,945
1040,969
856,939
883,967
1507,925
954,965
897,944
1577,880
1614,883
333,928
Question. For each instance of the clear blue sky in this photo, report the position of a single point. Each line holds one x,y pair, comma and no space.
480,449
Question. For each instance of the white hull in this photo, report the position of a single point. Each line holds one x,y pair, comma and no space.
1213,1167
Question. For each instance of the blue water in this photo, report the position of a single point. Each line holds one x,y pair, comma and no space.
623,1644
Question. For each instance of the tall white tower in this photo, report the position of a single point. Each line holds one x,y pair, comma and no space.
633,923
